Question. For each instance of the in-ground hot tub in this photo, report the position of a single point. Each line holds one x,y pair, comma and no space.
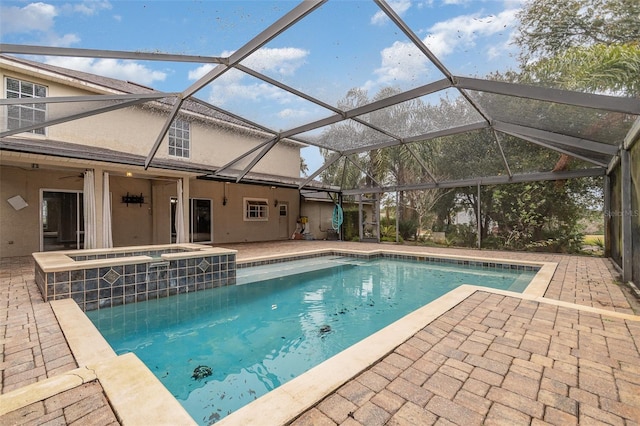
102,278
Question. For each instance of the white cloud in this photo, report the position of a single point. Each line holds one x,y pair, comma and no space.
64,40
90,8
232,84
200,72
400,62
289,113
114,68
232,87
38,19
283,61
444,37
399,6
32,17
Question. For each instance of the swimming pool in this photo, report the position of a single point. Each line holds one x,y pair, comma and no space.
291,317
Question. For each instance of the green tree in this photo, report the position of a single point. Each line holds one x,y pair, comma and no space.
304,168
551,27
611,68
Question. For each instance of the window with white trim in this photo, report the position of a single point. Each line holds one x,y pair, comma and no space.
256,209
179,138
23,115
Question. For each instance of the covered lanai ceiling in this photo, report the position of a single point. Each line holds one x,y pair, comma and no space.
433,103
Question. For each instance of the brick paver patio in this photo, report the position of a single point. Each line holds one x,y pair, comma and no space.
499,360
493,359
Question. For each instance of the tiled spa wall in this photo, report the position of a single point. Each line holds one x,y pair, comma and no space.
98,288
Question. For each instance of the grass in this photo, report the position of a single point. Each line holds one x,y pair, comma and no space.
593,240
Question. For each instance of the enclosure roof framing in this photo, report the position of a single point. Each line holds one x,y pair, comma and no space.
489,180
588,126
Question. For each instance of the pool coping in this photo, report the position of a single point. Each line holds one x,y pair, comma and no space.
286,402
58,261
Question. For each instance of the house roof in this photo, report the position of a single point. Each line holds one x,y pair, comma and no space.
103,155
129,87
492,124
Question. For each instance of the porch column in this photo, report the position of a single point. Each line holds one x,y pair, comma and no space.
185,210
98,181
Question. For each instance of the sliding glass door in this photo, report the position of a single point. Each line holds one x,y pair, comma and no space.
200,225
62,220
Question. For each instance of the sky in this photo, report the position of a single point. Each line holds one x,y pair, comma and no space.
343,45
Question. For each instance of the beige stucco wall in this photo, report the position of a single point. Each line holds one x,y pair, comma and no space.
132,224
320,215
135,224
227,220
135,129
20,230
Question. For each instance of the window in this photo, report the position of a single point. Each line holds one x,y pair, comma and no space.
256,209
24,115
179,139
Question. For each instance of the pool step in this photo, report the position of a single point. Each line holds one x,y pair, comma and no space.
278,270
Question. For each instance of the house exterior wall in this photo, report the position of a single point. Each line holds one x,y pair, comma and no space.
228,221
144,224
134,129
320,214
136,224
20,230
132,224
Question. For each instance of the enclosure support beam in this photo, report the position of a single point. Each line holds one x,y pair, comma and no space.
341,230
625,214
490,180
587,100
165,129
504,158
479,219
532,134
243,156
257,158
607,215
360,221
22,49
334,157
72,117
397,216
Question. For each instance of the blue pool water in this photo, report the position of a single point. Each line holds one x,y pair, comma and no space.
284,320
